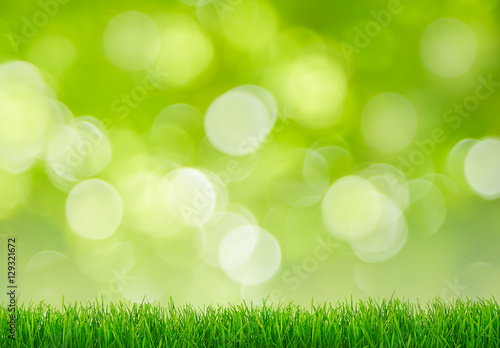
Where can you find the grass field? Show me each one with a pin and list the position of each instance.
(387, 323)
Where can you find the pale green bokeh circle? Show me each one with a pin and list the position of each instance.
(94, 209)
(351, 208)
(131, 40)
(387, 238)
(249, 255)
(389, 122)
(448, 47)
(482, 168)
(237, 122)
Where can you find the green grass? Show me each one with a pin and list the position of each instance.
(387, 323)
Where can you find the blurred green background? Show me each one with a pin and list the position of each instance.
(229, 150)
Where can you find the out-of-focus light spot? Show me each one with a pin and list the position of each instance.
(237, 247)
(455, 162)
(315, 172)
(222, 199)
(448, 47)
(77, 151)
(237, 122)
(351, 208)
(197, 195)
(131, 40)
(149, 203)
(186, 51)
(318, 89)
(22, 135)
(251, 34)
(26, 115)
(176, 132)
(53, 54)
(215, 230)
(482, 168)
(265, 97)
(387, 238)
(62, 158)
(94, 209)
(389, 122)
(428, 208)
(95, 146)
(19, 73)
(249, 255)
(389, 181)
(104, 260)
